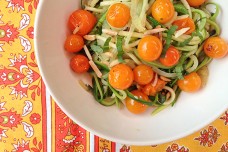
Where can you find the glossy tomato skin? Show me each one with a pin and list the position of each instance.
(143, 74)
(162, 10)
(83, 19)
(171, 58)
(74, 43)
(185, 23)
(79, 63)
(150, 48)
(215, 47)
(118, 15)
(195, 3)
(190, 83)
(134, 106)
(121, 76)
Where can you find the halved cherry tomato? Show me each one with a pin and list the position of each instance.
(121, 76)
(215, 47)
(150, 48)
(118, 15)
(153, 90)
(162, 10)
(190, 83)
(74, 43)
(195, 3)
(134, 106)
(79, 63)
(171, 58)
(184, 23)
(82, 19)
(143, 74)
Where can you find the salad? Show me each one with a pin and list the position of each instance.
(144, 53)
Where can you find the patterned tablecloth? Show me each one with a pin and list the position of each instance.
(31, 121)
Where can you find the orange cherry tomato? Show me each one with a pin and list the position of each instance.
(184, 23)
(134, 106)
(121, 76)
(150, 48)
(74, 43)
(82, 19)
(195, 3)
(215, 47)
(79, 63)
(118, 15)
(143, 74)
(190, 83)
(171, 58)
(153, 90)
(162, 10)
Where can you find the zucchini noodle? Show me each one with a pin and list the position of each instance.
(95, 10)
(185, 3)
(163, 73)
(108, 46)
(187, 48)
(195, 64)
(133, 57)
(172, 97)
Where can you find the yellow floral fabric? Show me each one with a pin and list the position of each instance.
(31, 121)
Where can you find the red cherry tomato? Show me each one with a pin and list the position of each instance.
(143, 74)
(118, 15)
(134, 106)
(121, 76)
(190, 83)
(74, 43)
(79, 64)
(82, 19)
(215, 47)
(171, 58)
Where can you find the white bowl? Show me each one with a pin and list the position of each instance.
(191, 112)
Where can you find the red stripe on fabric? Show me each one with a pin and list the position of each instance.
(96, 144)
(113, 147)
(44, 115)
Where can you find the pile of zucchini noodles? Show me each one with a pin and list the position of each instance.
(108, 47)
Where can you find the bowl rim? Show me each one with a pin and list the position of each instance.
(91, 130)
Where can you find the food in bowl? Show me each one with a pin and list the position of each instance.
(144, 53)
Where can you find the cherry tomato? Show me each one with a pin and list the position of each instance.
(184, 23)
(134, 106)
(162, 10)
(171, 58)
(74, 43)
(79, 63)
(190, 83)
(121, 76)
(195, 3)
(153, 90)
(215, 47)
(150, 48)
(143, 74)
(118, 15)
(82, 19)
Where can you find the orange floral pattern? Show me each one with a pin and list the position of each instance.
(31, 121)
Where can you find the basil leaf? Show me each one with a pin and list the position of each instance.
(152, 21)
(96, 48)
(106, 44)
(168, 39)
(180, 8)
(119, 46)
